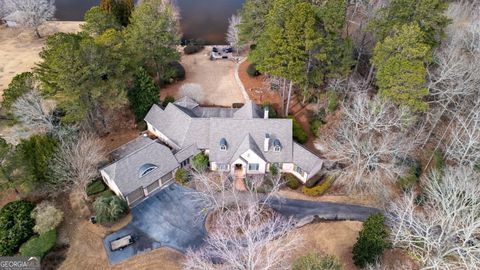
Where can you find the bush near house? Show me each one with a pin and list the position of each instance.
(168, 99)
(109, 208)
(200, 162)
(39, 246)
(95, 187)
(252, 70)
(177, 69)
(318, 189)
(16, 226)
(315, 261)
(291, 181)
(315, 125)
(299, 135)
(181, 176)
(371, 242)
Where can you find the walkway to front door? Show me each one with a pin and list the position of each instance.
(239, 178)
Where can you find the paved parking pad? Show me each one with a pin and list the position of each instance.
(170, 218)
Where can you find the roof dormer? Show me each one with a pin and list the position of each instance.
(223, 144)
(277, 146)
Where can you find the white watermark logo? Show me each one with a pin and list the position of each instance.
(19, 263)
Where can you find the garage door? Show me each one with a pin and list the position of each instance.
(135, 196)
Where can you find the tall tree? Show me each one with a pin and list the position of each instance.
(31, 13)
(152, 36)
(120, 9)
(233, 31)
(253, 14)
(428, 14)
(401, 61)
(98, 21)
(143, 95)
(84, 74)
(21, 84)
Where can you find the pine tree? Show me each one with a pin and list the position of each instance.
(143, 95)
(120, 9)
(401, 62)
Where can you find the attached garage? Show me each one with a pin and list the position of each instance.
(135, 196)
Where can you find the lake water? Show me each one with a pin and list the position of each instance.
(201, 19)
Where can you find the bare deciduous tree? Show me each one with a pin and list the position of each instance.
(371, 144)
(32, 13)
(245, 233)
(233, 32)
(74, 165)
(445, 232)
(32, 110)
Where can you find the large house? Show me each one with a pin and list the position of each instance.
(241, 142)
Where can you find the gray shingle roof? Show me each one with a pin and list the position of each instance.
(306, 160)
(187, 102)
(130, 147)
(186, 152)
(247, 144)
(126, 171)
(172, 122)
(249, 110)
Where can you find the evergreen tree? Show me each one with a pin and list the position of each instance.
(84, 74)
(120, 9)
(21, 84)
(371, 241)
(98, 21)
(254, 14)
(152, 37)
(143, 95)
(428, 14)
(401, 62)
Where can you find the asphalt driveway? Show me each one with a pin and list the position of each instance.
(168, 218)
(300, 209)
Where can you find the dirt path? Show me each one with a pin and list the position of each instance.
(217, 79)
(19, 49)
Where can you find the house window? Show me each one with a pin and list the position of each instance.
(145, 169)
(223, 147)
(298, 169)
(222, 167)
(277, 148)
(253, 166)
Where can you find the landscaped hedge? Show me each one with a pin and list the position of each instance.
(192, 48)
(178, 70)
(318, 189)
(95, 187)
(16, 226)
(168, 99)
(200, 162)
(291, 181)
(109, 208)
(252, 70)
(39, 246)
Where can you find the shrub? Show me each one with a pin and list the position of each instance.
(16, 226)
(332, 101)
(200, 162)
(274, 170)
(314, 261)
(318, 189)
(315, 125)
(47, 217)
(192, 48)
(291, 181)
(181, 176)
(95, 187)
(168, 99)
(371, 241)
(143, 94)
(39, 246)
(272, 113)
(20, 84)
(411, 179)
(252, 70)
(299, 134)
(109, 208)
(178, 71)
(314, 180)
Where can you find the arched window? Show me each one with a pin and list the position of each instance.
(277, 146)
(223, 144)
(145, 169)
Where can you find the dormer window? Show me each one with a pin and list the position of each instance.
(223, 144)
(146, 169)
(277, 147)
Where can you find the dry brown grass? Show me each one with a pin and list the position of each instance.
(357, 199)
(19, 49)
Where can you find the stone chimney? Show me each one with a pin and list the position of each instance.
(266, 142)
(265, 112)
